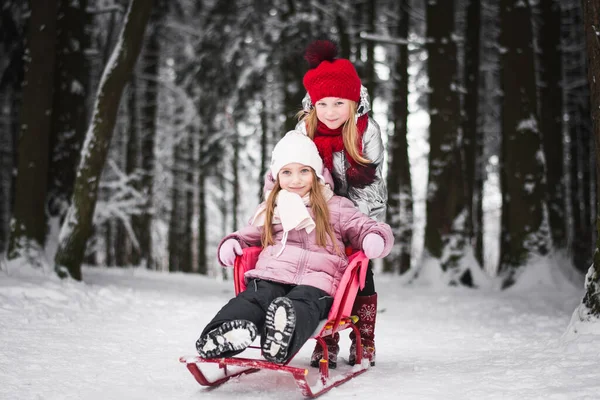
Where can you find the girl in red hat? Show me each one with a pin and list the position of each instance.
(335, 116)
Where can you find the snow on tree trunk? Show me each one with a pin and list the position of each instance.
(28, 224)
(400, 199)
(445, 230)
(77, 227)
(524, 226)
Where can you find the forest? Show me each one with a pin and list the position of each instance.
(138, 132)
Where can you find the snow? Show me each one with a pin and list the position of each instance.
(119, 334)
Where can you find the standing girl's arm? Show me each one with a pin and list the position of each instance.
(372, 198)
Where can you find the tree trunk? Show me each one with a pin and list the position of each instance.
(109, 242)
(11, 70)
(579, 131)
(78, 224)
(202, 258)
(551, 110)
(294, 39)
(524, 226)
(179, 226)
(151, 62)
(264, 135)
(400, 199)
(235, 201)
(6, 163)
(344, 43)
(368, 71)
(591, 12)
(28, 226)
(175, 233)
(127, 246)
(189, 205)
(472, 135)
(445, 231)
(69, 116)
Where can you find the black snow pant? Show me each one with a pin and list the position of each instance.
(369, 288)
(310, 304)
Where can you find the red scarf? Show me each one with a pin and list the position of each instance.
(330, 141)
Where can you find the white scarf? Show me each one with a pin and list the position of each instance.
(291, 212)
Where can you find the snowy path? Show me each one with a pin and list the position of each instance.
(119, 336)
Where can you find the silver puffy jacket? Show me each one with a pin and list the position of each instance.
(371, 199)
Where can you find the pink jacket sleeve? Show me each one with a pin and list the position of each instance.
(354, 226)
(247, 237)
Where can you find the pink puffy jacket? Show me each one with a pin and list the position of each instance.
(302, 261)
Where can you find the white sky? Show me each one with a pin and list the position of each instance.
(119, 336)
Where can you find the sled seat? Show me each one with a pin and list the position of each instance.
(339, 319)
(353, 279)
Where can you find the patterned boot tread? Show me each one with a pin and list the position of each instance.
(279, 329)
(230, 336)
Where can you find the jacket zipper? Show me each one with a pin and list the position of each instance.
(302, 262)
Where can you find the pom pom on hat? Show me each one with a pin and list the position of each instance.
(296, 147)
(318, 51)
(328, 76)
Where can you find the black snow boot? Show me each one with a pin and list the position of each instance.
(228, 339)
(279, 329)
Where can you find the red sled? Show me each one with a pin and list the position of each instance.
(339, 319)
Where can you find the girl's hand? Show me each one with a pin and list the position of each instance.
(373, 245)
(229, 250)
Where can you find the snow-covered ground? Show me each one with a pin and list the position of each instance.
(119, 336)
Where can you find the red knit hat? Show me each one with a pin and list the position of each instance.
(328, 76)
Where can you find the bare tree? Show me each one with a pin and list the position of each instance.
(77, 227)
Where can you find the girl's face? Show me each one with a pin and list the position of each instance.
(296, 178)
(333, 111)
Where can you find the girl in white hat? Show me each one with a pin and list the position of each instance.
(302, 228)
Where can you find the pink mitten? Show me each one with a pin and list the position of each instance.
(373, 245)
(229, 249)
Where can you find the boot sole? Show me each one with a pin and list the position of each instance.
(279, 328)
(233, 335)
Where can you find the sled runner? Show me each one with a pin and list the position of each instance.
(339, 319)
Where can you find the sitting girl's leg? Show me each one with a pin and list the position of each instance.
(236, 325)
(291, 321)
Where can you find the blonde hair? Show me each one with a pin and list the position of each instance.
(323, 228)
(349, 131)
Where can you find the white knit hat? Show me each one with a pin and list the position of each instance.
(296, 147)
